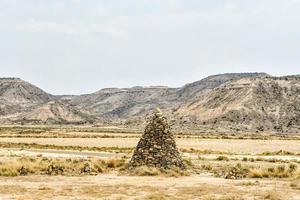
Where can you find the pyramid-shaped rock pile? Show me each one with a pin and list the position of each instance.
(157, 147)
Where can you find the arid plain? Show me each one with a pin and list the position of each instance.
(53, 162)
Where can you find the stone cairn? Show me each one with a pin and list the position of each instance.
(157, 147)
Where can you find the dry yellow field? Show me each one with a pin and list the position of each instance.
(111, 186)
(210, 160)
(229, 145)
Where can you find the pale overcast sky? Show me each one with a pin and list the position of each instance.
(81, 46)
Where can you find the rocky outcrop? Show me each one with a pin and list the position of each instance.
(248, 104)
(157, 147)
(24, 103)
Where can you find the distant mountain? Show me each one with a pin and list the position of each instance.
(252, 103)
(128, 103)
(226, 102)
(118, 104)
(22, 102)
(192, 90)
(16, 95)
(52, 112)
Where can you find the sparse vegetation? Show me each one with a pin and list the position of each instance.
(252, 168)
(222, 158)
(232, 172)
(58, 166)
(240, 171)
(206, 151)
(278, 153)
(151, 171)
(250, 183)
(57, 147)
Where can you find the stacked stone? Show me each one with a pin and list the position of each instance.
(157, 147)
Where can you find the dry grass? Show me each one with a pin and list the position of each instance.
(249, 183)
(280, 171)
(219, 156)
(12, 189)
(237, 171)
(158, 196)
(151, 171)
(216, 146)
(278, 153)
(204, 152)
(78, 166)
(222, 158)
(240, 171)
(295, 184)
(59, 166)
(272, 195)
(58, 147)
(222, 197)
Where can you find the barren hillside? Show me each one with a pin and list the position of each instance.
(17, 95)
(136, 102)
(246, 101)
(24, 103)
(256, 103)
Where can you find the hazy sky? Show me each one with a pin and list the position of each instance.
(81, 46)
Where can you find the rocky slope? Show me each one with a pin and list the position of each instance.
(246, 101)
(195, 89)
(120, 104)
(134, 103)
(255, 103)
(24, 103)
(17, 95)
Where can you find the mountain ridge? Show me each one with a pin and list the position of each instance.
(191, 105)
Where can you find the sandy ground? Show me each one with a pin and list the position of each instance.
(7, 152)
(228, 145)
(57, 153)
(112, 186)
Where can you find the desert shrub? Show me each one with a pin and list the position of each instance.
(145, 171)
(58, 166)
(222, 158)
(152, 171)
(250, 183)
(205, 151)
(174, 172)
(259, 159)
(188, 162)
(238, 171)
(297, 174)
(273, 160)
(115, 163)
(158, 196)
(280, 152)
(222, 197)
(292, 167)
(232, 172)
(245, 159)
(8, 170)
(257, 173)
(200, 158)
(280, 171)
(207, 167)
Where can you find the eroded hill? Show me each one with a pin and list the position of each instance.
(225, 102)
(24, 103)
(256, 103)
